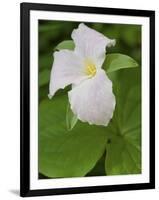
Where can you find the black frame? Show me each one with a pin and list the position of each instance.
(25, 9)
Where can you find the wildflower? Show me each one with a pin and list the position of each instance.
(91, 97)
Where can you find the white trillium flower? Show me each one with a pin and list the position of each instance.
(91, 97)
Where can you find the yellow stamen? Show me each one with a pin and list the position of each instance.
(90, 68)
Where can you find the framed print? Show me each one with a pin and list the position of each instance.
(87, 99)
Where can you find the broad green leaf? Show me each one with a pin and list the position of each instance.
(71, 118)
(123, 151)
(66, 44)
(44, 77)
(116, 61)
(64, 153)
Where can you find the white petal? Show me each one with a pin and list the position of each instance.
(93, 100)
(91, 44)
(67, 69)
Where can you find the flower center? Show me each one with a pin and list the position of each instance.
(90, 68)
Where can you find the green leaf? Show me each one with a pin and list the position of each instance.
(44, 77)
(116, 61)
(123, 149)
(71, 119)
(66, 44)
(64, 153)
(77, 152)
